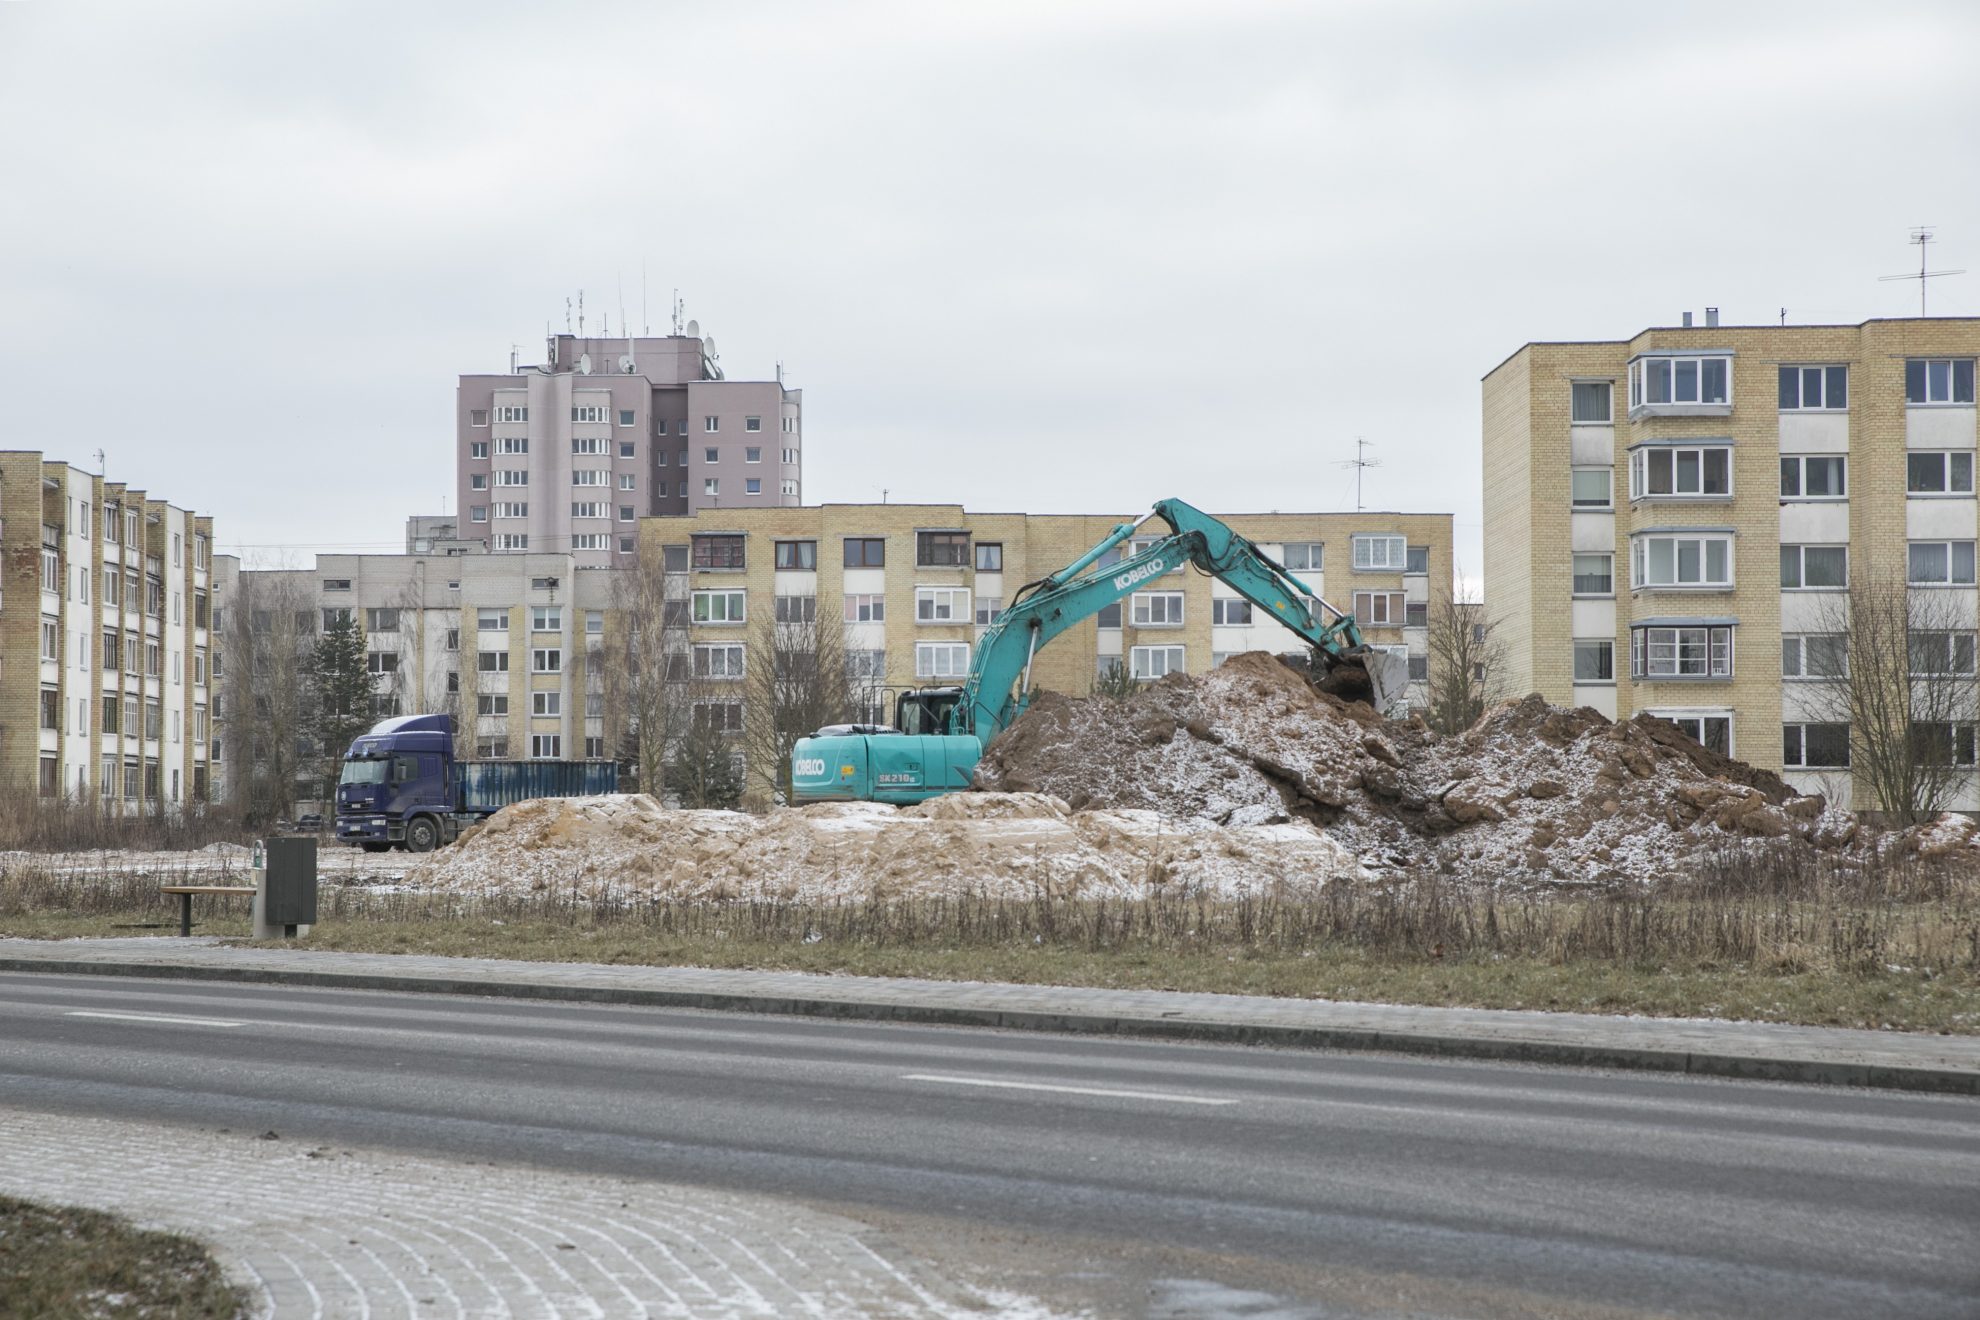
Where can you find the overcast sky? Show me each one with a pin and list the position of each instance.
(1052, 257)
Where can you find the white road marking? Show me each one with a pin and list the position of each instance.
(1169, 1096)
(154, 1017)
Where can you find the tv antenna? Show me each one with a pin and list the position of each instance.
(99, 462)
(1360, 463)
(1922, 237)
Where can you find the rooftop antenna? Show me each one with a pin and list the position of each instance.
(580, 313)
(1360, 463)
(1783, 316)
(567, 315)
(678, 309)
(99, 462)
(1922, 236)
(645, 324)
(515, 355)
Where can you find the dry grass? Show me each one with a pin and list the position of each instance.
(31, 822)
(1890, 944)
(57, 1263)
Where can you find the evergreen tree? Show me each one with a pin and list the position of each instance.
(339, 688)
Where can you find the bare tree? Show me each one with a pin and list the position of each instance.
(261, 712)
(1466, 661)
(643, 661)
(1893, 689)
(796, 681)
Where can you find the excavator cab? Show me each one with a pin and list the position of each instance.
(926, 710)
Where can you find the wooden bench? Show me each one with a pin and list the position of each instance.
(186, 892)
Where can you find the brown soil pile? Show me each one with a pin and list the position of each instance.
(1533, 791)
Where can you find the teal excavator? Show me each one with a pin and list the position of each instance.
(939, 733)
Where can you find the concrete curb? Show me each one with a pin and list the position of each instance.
(1815, 1071)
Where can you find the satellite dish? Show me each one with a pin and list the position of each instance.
(627, 365)
(584, 364)
(694, 329)
(708, 345)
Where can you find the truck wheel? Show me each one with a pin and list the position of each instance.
(376, 847)
(422, 835)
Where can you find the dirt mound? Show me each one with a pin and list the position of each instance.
(1003, 845)
(1532, 790)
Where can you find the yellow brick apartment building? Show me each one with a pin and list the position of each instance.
(1671, 520)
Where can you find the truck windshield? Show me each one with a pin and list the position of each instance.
(366, 770)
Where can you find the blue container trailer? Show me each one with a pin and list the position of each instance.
(401, 786)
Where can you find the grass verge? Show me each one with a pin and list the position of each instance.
(58, 1262)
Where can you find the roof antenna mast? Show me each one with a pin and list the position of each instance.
(1360, 463)
(1922, 237)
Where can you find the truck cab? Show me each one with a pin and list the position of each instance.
(397, 785)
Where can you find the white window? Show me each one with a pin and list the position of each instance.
(1302, 556)
(724, 661)
(1591, 402)
(511, 412)
(1156, 609)
(988, 610)
(546, 746)
(1593, 488)
(1815, 655)
(752, 423)
(546, 618)
(477, 417)
(1228, 613)
(941, 659)
(718, 607)
(1680, 472)
(492, 662)
(866, 609)
(491, 621)
(590, 477)
(1939, 473)
(588, 412)
(491, 703)
(866, 664)
(1813, 389)
(591, 541)
(1714, 731)
(1681, 560)
(711, 424)
(1814, 567)
(795, 609)
(1378, 609)
(478, 449)
(546, 660)
(1595, 660)
(1940, 563)
(791, 456)
(511, 509)
(1941, 653)
(752, 485)
(51, 572)
(711, 455)
(1942, 743)
(478, 513)
(1701, 651)
(515, 444)
(51, 639)
(1814, 477)
(1594, 575)
(587, 445)
(628, 513)
(941, 604)
(1815, 746)
(790, 488)
(590, 509)
(711, 485)
(628, 481)
(752, 454)
(512, 477)
(1938, 380)
(478, 481)
(546, 703)
(1668, 380)
(512, 540)
(627, 418)
(1152, 662)
(1379, 554)
(718, 716)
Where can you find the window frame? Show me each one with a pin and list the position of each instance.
(1361, 541)
(733, 556)
(1825, 374)
(734, 657)
(1640, 560)
(1955, 378)
(799, 552)
(1609, 651)
(1608, 501)
(1608, 389)
(924, 657)
(867, 544)
(1642, 637)
(1575, 592)
(1640, 380)
(1946, 491)
(1700, 717)
(1799, 550)
(734, 611)
(1222, 607)
(872, 603)
(1797, 646)
(992, 551)
(954, 545)
(1640, 462)
(1911, 579)
(1395, 608)
(927, 599)
(1142, 609)
(1175, 660)
(1794, 745)
(1798, 462)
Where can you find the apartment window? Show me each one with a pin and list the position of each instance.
(491, 621)
(546, 703)
(752, 454)
(1815, 746)
(718, 717)
(724, 661)
(989, 556)
(477, 417)
(1693, 560)
(51, 709)
(51, 639)
(478, 513)
(1377, 554)
(1942, 743)
(546, 618)
(515, 444)
(866, 552)
(1814, 477)
(1680, 472)
(941, 659)
(512, 477)
(1713, 732)
(660, 490)
(546, 660)
(590, 509)
(381, 662)
(795, 609)
(627, 513)
(789, 488)
(718, 552)
(1416, 560)
(1679, 380)
(381, 620)
(718, 607)
(587, 445)
(1935, 653)
(588, 412)
(626, 417)
(110, 711)
(1814, 567)
(511, 509)
(791, 456)
(1147, 663)
(1938, 380)
(1109, 616)
(1156, 609)
(491, 748)
(491, 703)
(1813, 389)
(1704, 651)
(590, 477)
(797, 555)
(336, 616)
(627, 449)
(625, 545)
(627, 481)
(711, 486)
(511, 412)
(594, 747)
(478, 481)
(1939, 473)
(1305, 556)
(545, 746)
(752, 423)
(711, 424)
(1815, 655)
(1419, 668)
(752, 485)
(1594, 575)
(1592, 488)
(512, 540)
(1595, 661)
(988, 610)
(1228, 613)
(478, 449)
(1591, 401)
(941, 549)
(866, 665)
(492, 662)
(1378, 609)
(681, 460)
(1940, 563)
(1416, 614)
(866, 609)
(151, 654)
(941, 604)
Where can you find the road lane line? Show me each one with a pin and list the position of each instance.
(154, 1017)
(1168, 1096)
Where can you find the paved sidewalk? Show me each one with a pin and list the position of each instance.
(1901, 1060)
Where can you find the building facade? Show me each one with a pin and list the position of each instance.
(1673, 521)
(104, 639)
(568, 456)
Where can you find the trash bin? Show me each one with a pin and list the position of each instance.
(285, 891)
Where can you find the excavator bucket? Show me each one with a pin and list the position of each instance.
(1371, 677)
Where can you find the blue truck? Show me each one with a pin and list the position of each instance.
(402, 788)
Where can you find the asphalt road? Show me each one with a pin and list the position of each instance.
(1098, 1169)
